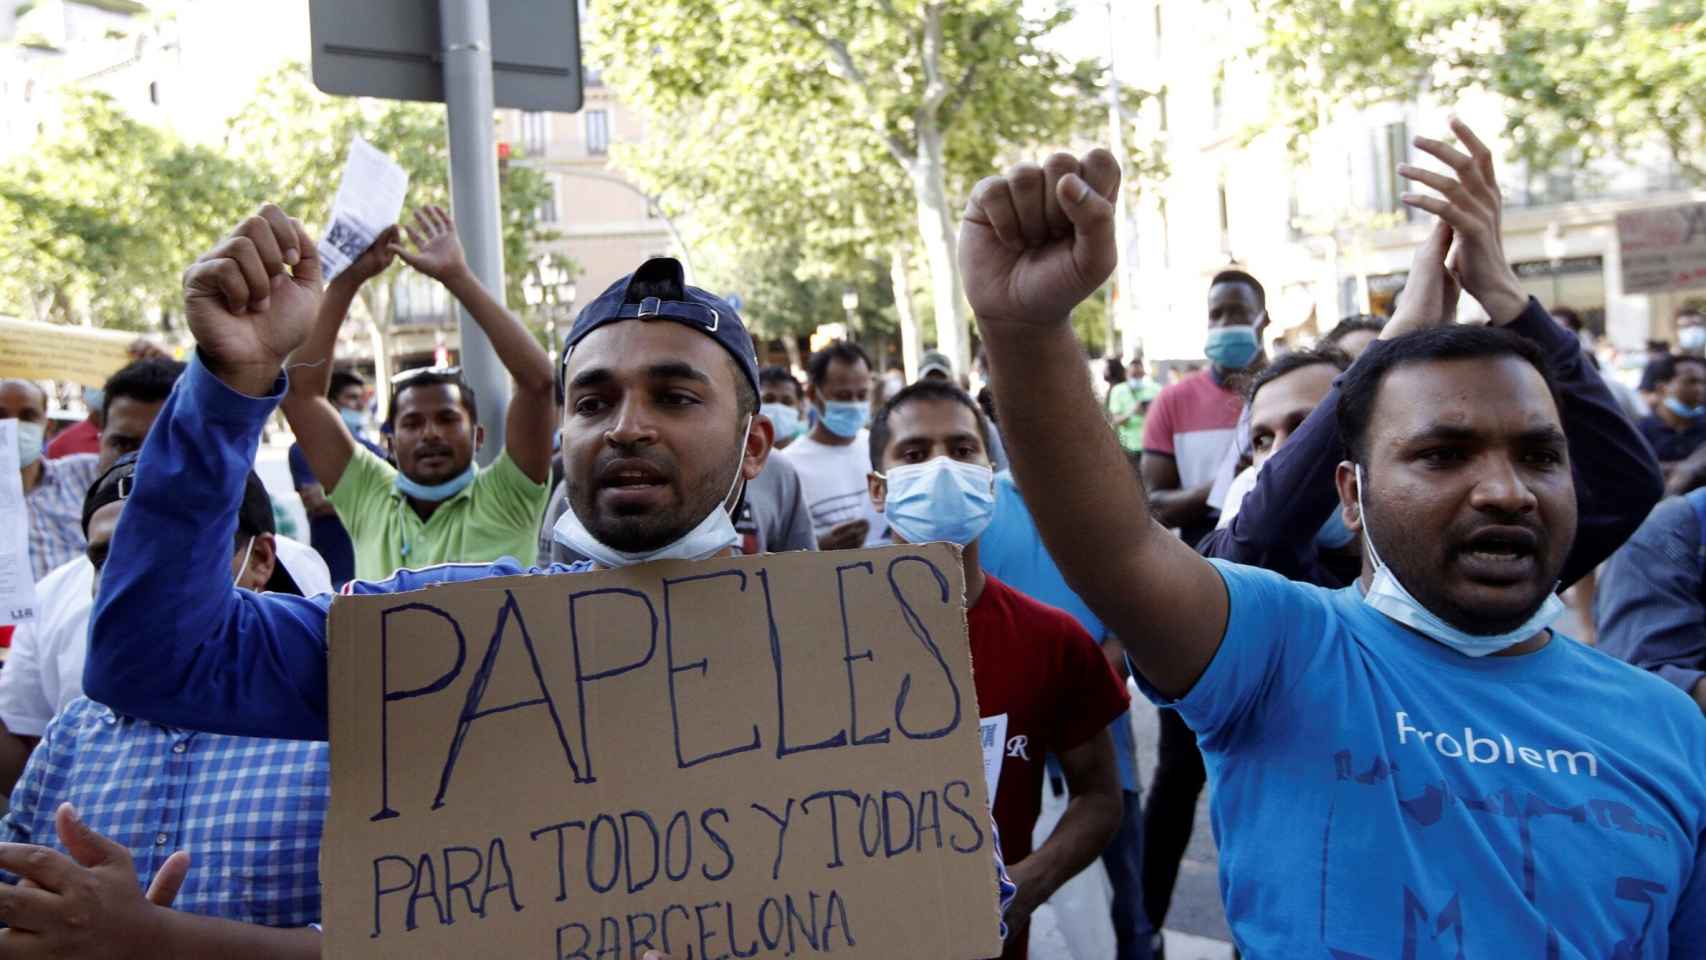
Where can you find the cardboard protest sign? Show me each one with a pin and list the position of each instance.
(1663, 248)
(754, 757)
(51, 351)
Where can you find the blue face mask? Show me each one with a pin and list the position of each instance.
(942, 499)
(1232, 348)
(437, 492)
(784, 418)
(354, 419)
(1388, 596)
(1685, 412)
(844, 419)
(94, 398)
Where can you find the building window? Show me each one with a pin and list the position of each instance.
(547, 212)
(1391, 147)
(154, 92)
(1159, 50)
(597, 131)
(1225, 220)
(535, 131)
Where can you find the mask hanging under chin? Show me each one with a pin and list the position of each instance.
(711, 536)
(1388, 596)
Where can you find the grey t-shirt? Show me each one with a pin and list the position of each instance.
(772, 519)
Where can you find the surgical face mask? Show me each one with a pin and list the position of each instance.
(437, 492)
(355, 420)
(243, 567)
(29, 442)
(1684, 411)
(844, 419)
(941, 499)
(1692, 338)
(785, 418)
(1232, 348)
(1388, 596)
(714, 534)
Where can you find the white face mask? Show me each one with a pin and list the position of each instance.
(1388, 596)
(712, 536)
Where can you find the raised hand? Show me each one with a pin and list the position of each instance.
(252, 299)
(373, 260)
(1429, 298)
(1471, 204)
(1036, 242)
(87, 904)
(438, 252)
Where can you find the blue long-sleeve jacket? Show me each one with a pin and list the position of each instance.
(1652, 612)
(170, 639)
(1616, 475)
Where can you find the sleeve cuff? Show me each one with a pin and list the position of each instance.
(219, 402)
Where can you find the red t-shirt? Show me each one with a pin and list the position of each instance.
(1035, 664)
(80, 437)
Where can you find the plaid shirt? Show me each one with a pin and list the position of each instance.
(56, 511)
(248, 811)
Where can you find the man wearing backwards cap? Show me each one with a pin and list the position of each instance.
(117, 797)
(659, 434)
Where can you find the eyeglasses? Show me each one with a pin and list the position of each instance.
(409, 376)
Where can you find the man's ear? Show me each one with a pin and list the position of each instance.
(1345, 478)
(760, 441)
(479, 438)
(262, 560)
(878, 489)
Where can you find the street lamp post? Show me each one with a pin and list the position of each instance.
(1553, 241)
(549, 286)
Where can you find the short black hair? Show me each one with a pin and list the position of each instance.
(777, 374)
(1239, 276)
(1677, 361)
(1359, 387)
(145, 381)
(342, 380)
(1356, 323)
(920, 391)
(848, 352)
(437, 377)
(1293, 361)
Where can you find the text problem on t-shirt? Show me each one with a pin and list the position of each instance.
(762, 756)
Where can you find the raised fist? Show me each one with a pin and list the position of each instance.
(252, 299)
(1036, 242)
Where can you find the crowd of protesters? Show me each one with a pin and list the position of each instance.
(1338, 569)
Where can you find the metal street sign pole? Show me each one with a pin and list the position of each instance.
(466, 30)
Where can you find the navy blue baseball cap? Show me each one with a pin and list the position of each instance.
(689, 306)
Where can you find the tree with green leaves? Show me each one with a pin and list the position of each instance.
(855, 120)
(95, 220)
(1580, 80)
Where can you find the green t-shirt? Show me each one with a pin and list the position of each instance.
(1127, 397)
(495, 516)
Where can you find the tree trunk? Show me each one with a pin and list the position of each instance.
(936, 226)
(900, 276)
(791, 346)
(375, 297)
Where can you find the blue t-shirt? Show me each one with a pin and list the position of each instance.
(1378, 795)
(1013, 552)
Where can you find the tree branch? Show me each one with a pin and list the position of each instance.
(962, 86)
(930, 48)
(851, 73)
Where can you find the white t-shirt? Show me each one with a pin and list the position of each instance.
(832, 479)
(44, 670)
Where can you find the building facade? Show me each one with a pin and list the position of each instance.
(1327, 234)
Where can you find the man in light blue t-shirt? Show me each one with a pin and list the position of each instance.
(1416, 765)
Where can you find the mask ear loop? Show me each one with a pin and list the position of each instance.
(247, 551)
(740, 466)
(1362, 516)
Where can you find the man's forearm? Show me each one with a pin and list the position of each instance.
(310, 367)
(1090, 821)
(520, 354)
(192, 937)
(1179, 508)
(1037, 375)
